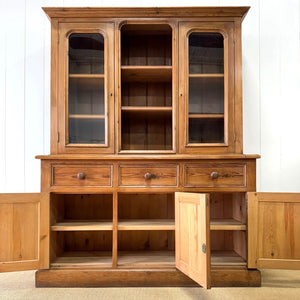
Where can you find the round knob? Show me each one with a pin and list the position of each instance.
(214, 175)
(148, 176)
(81, 176)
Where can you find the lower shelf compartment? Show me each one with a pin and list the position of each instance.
(137, 259)
(81, 259)
(226, 258)
(146, 259)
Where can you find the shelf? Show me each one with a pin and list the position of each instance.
(78, 116)
(154, 110)
(82, 226)
(226, 224)
(80, 259)
(226, 258)
(145, 259)
(206, 75)
(144, 224)
(86, 76)
(206, 116)
(146, 73)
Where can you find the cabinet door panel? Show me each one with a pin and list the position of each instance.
(206, 87)
(85, 91)
(24, 232)
(274, 230)
(192, 248)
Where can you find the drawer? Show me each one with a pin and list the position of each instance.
(81, 175)
(215, 175)
(148, 175)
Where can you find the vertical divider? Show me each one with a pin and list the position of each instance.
(115, 231)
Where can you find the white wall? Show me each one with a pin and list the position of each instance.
(271, 73)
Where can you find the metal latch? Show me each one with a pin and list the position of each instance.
(203, 248)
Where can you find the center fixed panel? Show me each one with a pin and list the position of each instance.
(146, 87)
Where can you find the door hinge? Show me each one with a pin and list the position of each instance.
(204, 248)
(57, 137)
(234, 137)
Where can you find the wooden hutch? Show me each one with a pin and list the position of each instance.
(146, 183)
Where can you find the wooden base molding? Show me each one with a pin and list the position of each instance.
(142, 278)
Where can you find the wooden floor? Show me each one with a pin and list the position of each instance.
(276, 284)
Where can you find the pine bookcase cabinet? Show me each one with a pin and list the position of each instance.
(147, 183)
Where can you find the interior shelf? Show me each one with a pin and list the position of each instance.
(146, 73)
(82, 226)
(144, 259)
(226, 258)
(206, 75)
(149, 110)
(146, 108)
(147, 224)
(80, 259)
(226, 224)
(206, 116)
(79, 116)
(86, 75)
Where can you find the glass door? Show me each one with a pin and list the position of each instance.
(86, 105)
(204, 101)
(86, 116)
(206, 88)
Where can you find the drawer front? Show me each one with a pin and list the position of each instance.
(81, 175)
(215, 175)
(148, 175)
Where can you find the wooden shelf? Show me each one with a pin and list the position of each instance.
(81, 259)
(86, 76)
(78, 116)
(156, 110)
(82, 226)
(144, 224)
(206, 116)
(226, 258)
(146, 73)
(206, 75)
(146, 108)
(226, 224)
(145, 259)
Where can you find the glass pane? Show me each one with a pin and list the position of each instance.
(206, 88)
(86, 53)
(206, 95)
(86, 96)
(86, 131)
(206, 130)
(206, 53)
(86, 89)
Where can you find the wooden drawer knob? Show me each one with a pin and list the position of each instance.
(214, 175)
(149, 176)
(81, 176)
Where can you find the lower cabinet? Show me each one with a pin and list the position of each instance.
(149, 239)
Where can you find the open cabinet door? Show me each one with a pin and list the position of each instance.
(192, 236)
(24, 232)
(274, 230)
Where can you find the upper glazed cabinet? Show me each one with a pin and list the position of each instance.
(85, 88)
(137, 86)
(209, 117)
